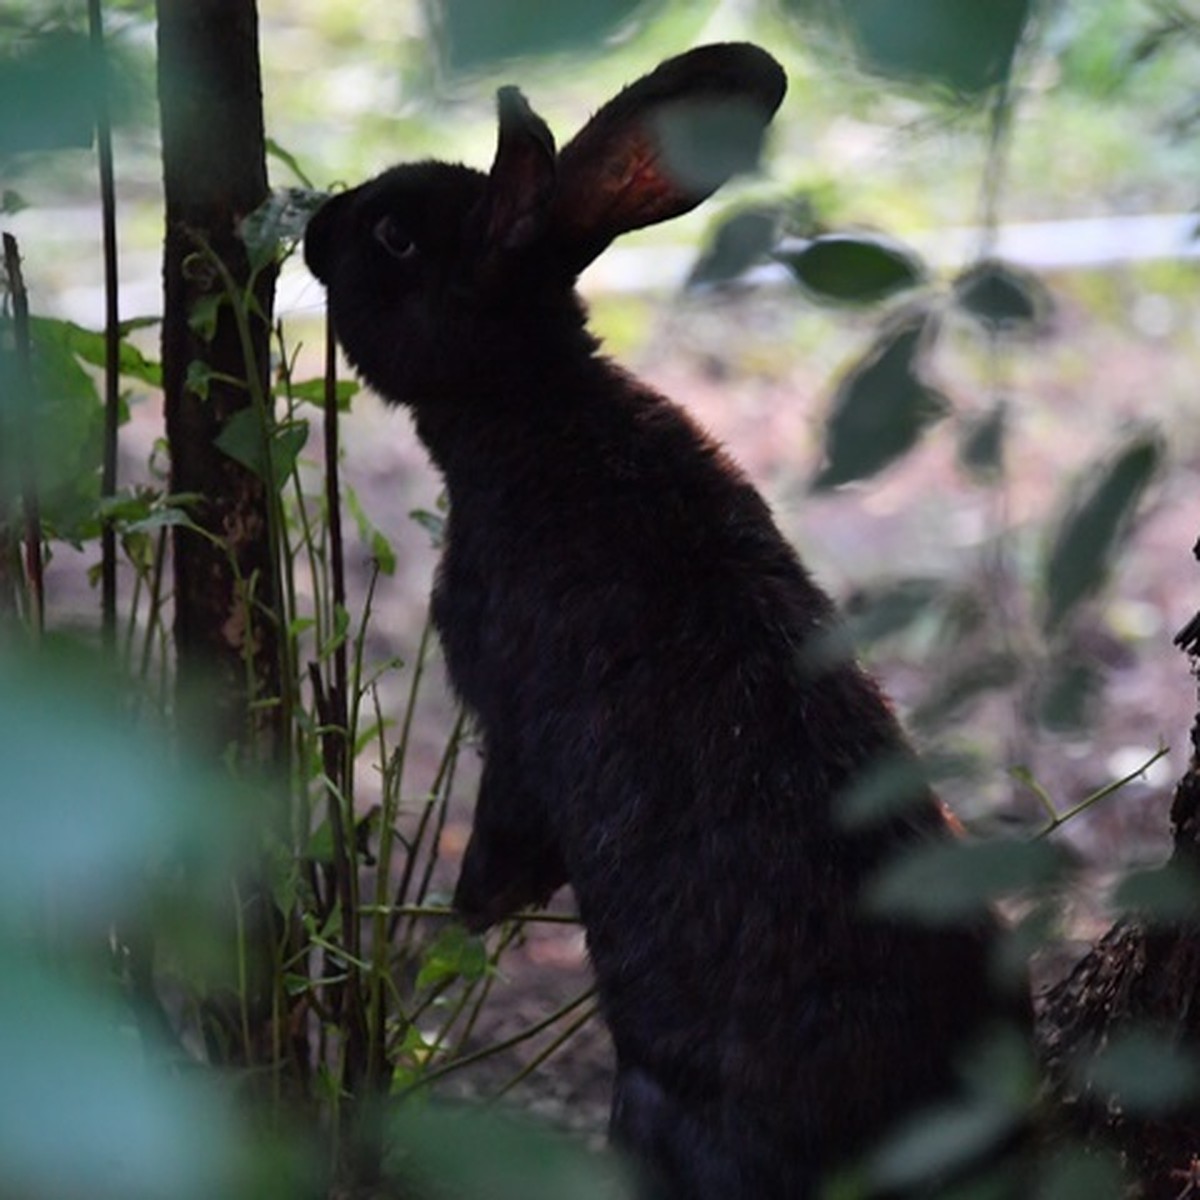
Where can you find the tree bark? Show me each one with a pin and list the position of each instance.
(1141, 975)
(214, 173)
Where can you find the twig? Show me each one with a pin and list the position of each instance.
(112, 323)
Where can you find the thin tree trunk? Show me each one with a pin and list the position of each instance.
(214, 172)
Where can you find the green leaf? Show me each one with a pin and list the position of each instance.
(198, 378)
(453, 954)
(312, 391)
(476, 34)
(945, 883)
(846, 268)
(12, 202)
(1003, 298)
(278, 223)
(506, 1160)
(1090, 535)
(47, 90)
(963, 48)
(1078, 1173)
(135, 1130)
(954, 693)
(739, 241)
(1146, 1073)
(242, 439)
(433, 523)
(1066, 697)
(981, 445)
(202, 319)
(882, 406)
(1166, 894)
(90, 345)
(939, 1141)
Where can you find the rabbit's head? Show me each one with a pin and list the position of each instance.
(442, 279)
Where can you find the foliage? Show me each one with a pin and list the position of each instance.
(162, 918)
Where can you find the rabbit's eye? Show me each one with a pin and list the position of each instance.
(392, 236)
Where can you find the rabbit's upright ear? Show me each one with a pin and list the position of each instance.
(516, 202)
(663, 145)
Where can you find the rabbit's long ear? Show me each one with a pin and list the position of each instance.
(663, 145)
(516, 202)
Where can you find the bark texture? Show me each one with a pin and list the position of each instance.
(214, 172)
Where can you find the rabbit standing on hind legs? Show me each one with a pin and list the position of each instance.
(629, 628)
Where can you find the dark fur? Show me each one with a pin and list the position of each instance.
(620, 612)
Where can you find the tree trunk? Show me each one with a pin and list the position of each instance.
(214, 172)
(1141, 975)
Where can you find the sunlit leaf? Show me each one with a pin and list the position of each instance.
(1088, 538)
(944, 883)
(882, 406)
(739, 242)
(312, 391)
(1003, 298)
(474, 34)
(847, 268)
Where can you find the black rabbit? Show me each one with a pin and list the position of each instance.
(634, 637)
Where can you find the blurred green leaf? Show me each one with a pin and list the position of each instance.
(475, 34)
(1144, 1072)
(940, 1141)
(953, 693)
(981, 445)
(1166, 894)
(1067, 696)
(861, 268)
(706, 142)
(882, 406)
(12, 202)
(242, 439)
(465, 1155)
(1079, 1173)
(84, 1112)
(740, 241)
(965, 48)
(1089, 536)
(945, 883)
(47, 89)
(1003, 298)
(84, 826)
